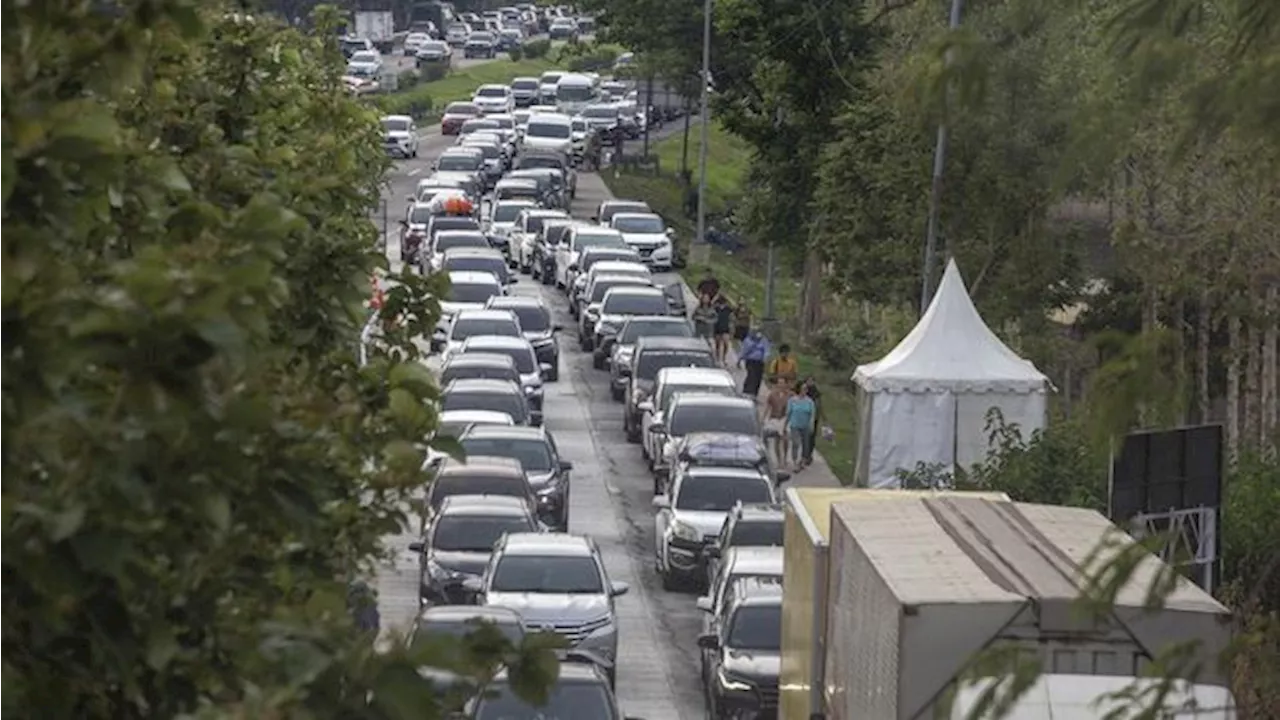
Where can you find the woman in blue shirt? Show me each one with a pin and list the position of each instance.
(801, 413)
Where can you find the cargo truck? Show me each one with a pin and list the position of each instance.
(378, 27)
(918, 587)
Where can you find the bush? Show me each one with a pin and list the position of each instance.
(536, 49)
(515, 53)
(407, 79)
(861, 335)
(594, 60)
(415, 103)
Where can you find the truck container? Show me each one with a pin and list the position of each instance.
(920, 588)
(806, 537)
(378, 27)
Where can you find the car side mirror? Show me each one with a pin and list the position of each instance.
(708, 642)
(661, 502)
(713, 551)
(703, 603)
(416, 547)
(565, 466)
(644, 406)
(619, 589)
(670, 232)
(781, 476)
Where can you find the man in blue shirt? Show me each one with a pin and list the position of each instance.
(755, 348)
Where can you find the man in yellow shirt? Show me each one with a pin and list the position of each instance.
(783, 366)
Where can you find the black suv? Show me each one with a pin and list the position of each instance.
(742, 654)
(536, 451)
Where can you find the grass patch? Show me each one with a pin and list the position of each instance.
(427, 100)
(727, 160)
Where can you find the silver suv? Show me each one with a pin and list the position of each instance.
(558, 584)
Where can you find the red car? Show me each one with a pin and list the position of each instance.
(455, 114)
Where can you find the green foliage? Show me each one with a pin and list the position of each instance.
(409, 78)
(194, 464)
(536, 49)
(516, 53)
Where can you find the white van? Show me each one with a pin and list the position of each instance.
(548, 133)
(574, 92)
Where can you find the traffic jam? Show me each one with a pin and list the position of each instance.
(498, 541)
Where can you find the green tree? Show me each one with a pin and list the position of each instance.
(194, 464)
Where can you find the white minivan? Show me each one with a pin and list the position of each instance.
(549, 133)
(574, 92)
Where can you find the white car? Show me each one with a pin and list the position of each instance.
(547, 87)
(548, 132)
(474, 323)
(670, 381)
(414, 41)
(494, 99)
(690, 517)
(690, 412)
(468, 291)
(649, 235)
(366, 63)
(524, 234)
(400, 136)
(434, 51)
(576, 240)
(502, 217)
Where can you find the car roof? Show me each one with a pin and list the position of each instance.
(631, 289)
(484, 505)
(724, 471)
(662, 319)
(484, 463)
(493, 85)
(589, 229)
(752, 559)
(521, 181)
(494, 341)
(483, 314)
(472, 251)
(475, 416)
(469, 151)
(619, 267)
(575, 673)
(514, 432)
(711, 399)
(633, 203)
(754, 591)
(671, 343)
(405, 118)
(483, 385)
(473, 277)
(688, 375)
(511, 301)
(478, 358)
(547, 213)
(520, 202)
(463, 613)
(629, 215)
(527, 543)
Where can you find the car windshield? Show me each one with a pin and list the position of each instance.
(522, 356)
(503, 123)
(524, 85)
(467, 327)
(550, 78)
(575, 93)
(475, 372)
(460, 108)
(519, 190)
(533, 162)
(512, 631)
(637, 329)
(497, 265)
(365, 56)
(579, 125)
(582, 241)
(547, 574)
(601, 112)
(690, 418)
(651, 361)
(420, 214)
(533, 454)
(756, 627)
(481, 37)
(471, 292)
(460, 163)
(754, 534)
(352, 46)
(395, 125)
(671, 390)
(434, 46)
(487, 151)
(609, 254)
(533, 318)
(474, 533)
(493, 92)
(451, 240)
(631, 304)
(476, 484)
(600, 288)
(565, 701)
(610, 210)
(548, 130)
(508, 212)
(534, 223)
(650, 224)
(719, 493)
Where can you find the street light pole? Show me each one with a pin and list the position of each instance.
(700, 243)
(935, 188)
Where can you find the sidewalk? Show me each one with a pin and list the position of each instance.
(818, 474)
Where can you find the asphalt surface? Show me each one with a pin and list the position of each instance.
(610, 497)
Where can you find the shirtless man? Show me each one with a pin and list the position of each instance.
(775, 418)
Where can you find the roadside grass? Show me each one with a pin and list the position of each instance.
(427, 100)
(727, 159)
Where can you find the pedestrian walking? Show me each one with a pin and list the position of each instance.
(741, 322)
(723, 326)
(775, 421)
(708, 285)
(704, 318)
(801, 412)
(811, 389)
(755, 348)
(362, 602)
(784, 366)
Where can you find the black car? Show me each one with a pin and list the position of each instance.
(482, 366)
(619, 348)
(535, 323)
(458, 621)
(459, 540)
(544, 256)
(536, 451)
(496, 395)
(651, 355)
(748, 525)
(741, 656)
(581, 690)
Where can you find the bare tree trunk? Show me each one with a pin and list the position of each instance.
(1178, 324)
(1204, 328)
(1269, 389)
(1252, 387)
(1233, 385)
(811, 300)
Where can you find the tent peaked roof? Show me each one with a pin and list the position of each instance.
(951, 349)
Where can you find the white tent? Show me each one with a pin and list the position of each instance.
(927, 400)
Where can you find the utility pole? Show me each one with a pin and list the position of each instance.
(935, 189)
(701, 252)
(648, 112)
